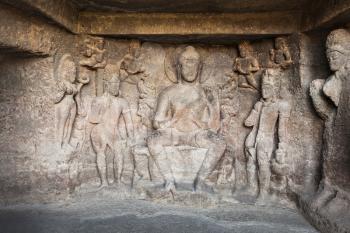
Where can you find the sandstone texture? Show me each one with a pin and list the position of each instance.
(190, 116)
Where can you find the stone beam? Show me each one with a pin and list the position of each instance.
(62, 12)
(187, 24)
(327, 13)
(21, 33)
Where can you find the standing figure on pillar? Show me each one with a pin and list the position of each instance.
(267, 113)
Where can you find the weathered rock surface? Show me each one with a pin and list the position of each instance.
(95, 214)
(197, 103)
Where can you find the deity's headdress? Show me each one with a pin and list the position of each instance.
(281, 40)
(113, 79)
(339, 40)
(269, 77)
(189, 53)
(246, 45)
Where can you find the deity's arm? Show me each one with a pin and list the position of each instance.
(272, 55)
(128, 120)
(100, 55)
(280, 169)
(160, 117)
(238, 67)
(123, 75)
(287, 59)
(100, 61)
(58, 97)
(254, 65)
(253, 117)
(287, 56)
(284, 114)
(77, 97)
(332, 88)
(323, 107)
(60, 93)
(214, 111)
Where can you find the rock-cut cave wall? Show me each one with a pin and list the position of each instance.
(259, 121)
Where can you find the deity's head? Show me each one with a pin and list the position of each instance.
(281, 158)
(135, 48)
(66, 69)
(280, 43)
(111, 86)
(189, 63)
(100, 42)
(268, 84)
(245, 49)
(338, 49)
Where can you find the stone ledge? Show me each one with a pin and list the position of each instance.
(102, 23)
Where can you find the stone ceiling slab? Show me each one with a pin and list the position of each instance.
(182, 24)
(191, 6)
(62, 12)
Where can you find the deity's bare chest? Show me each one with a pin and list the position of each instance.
(189, 98)
(245, 64)
(279, 56)
(113, 111)
(268, 118)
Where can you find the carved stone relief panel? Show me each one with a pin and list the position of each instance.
(174, 118)
(179, 118)
(256, 121)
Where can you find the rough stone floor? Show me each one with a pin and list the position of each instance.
(108, 215)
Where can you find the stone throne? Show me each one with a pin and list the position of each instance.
(185, 163)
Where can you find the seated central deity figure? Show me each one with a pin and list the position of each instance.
(187, 115)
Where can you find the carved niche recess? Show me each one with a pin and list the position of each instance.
(171, 117)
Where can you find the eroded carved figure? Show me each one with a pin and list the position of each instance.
(229, 108)
(146, 102)
(131, 64)
(246, 65)
(132, 71)
(65, 99)
(280, 55)
(280, 171)
(107, 112)
(260, 143)
(187, 115)
(331, 101)
(94, 53)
